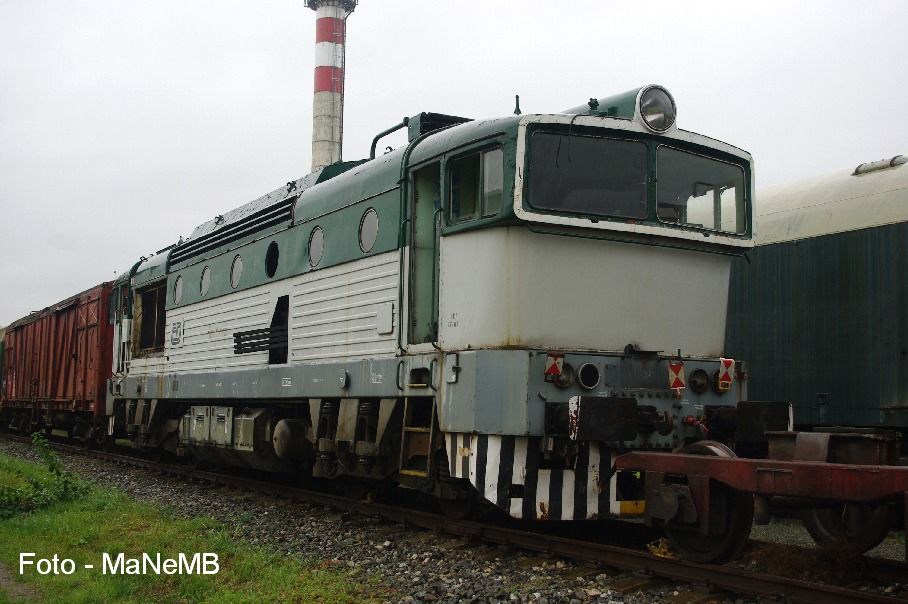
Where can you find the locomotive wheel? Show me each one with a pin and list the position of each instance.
(858, 526)
(355, 488)
(729, 527)
(465, 502)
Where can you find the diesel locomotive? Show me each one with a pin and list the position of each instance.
(491, 314)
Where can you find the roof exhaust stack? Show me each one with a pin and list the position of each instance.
(328, 103)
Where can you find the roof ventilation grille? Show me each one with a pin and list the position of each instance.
(271, 216)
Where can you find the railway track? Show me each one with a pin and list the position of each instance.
(713, 578)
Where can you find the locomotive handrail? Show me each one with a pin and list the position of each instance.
(435, 271)
(400, 365)
(401, 239)
(433, 366)
(403, 124)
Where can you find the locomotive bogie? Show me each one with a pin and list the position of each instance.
(240, 436)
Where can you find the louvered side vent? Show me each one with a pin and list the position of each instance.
(274, 215)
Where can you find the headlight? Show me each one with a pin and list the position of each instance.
(657, 108)
(588, 376)
(699, 381)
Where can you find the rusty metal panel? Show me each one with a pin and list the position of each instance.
(814, 480)
(835, 447)
(2, 359)
(60, 357)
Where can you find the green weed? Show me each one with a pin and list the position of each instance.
(25, 490)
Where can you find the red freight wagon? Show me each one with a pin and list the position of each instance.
(57, 363)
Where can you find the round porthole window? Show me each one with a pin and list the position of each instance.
(236, 271)
(316, 246)
(368, 230)
(178, 290)
(271, 259)
(205, 282)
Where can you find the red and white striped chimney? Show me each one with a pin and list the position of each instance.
(328, 103)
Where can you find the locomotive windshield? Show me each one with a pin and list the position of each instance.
(701, 192)
(595, 176)
(588, 175)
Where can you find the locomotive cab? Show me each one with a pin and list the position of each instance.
(585, 315)
(611, 252)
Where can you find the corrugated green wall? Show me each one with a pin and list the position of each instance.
(822, 322)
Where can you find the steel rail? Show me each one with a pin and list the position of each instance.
(735, 580)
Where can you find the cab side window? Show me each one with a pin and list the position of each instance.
(149, 318)
(492, 181)
(477, 183)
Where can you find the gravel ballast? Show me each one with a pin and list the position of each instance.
(417, 565)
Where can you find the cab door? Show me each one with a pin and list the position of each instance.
(425, 214)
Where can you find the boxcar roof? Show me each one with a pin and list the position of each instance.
(834, 203)
(63, 304)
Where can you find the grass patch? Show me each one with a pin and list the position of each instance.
(103, 520)
(10, 476)
(26, 487)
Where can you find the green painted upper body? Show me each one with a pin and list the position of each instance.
(335, 199)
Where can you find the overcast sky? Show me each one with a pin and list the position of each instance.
(123, 125)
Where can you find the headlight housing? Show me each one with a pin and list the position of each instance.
(657, 108)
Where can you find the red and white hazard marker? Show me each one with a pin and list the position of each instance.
(726, 374)
(676, 379)
(554, 365)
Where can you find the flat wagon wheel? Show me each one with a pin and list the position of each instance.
(731, 517)
(860, 527)
(25, 425)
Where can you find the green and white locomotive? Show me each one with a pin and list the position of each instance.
(491, 312)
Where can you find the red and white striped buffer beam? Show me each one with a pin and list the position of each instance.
(328, 102)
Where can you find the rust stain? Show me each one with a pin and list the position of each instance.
(573, 419)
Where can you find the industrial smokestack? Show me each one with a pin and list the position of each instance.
(328, 103)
